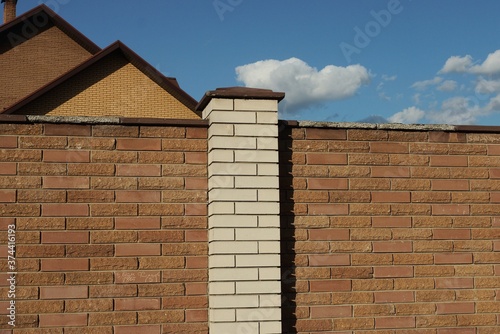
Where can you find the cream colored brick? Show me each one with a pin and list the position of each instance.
(220, 129)
(232, 117)
(268, 195)
(233, 247)
(256, 182)
(232, 274)
(233, 194)
(234, 301)
(222, 288)
(220, 168)
(218, 105)
(222, 315)
(220, 208)
(267, 143)
(269, 247)
(218, 181)
(235, 328)
(264, 105)
(270, 300)
(218, 155)
(219, 234)
(258, 234)
(232, 221)
(255, 156)
(269, 221)
(218, 142)
(257, 208)
(267, 169)
(256, 130)
(260, 260)
(270, 274)
(267, 118)
(260, 314)
(258, 287)
(221, 261)
(270, 327)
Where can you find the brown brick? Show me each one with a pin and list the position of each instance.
(395, 322)
(378, 147)
(115, 131)
(353, 323)
(369, 184)
(66, 156)
(40, 306)
(369, 209)
(8, 141)
(137, 249)
(413, 259)
(196, 158)
(62, 320)
(161, 209)
(450, 185)
(329, 234)
(91, 169)
(37, 279)
(128, 277)
(88, 305)
(8, 168)
(113, 291)
(164, 262)
(114, 183)
(392, 247)
(184, 145)
(113, 264)
(329, 260)
(454, 283)
(37, 168)
(90, 196)
(455, 308)
(89, 250)
(137, 329)
(64, 292)
(138, 144)
(41, 196)
(394, 297)
(65, 210)
(373, 159)
(42, 142)
(184, 196)
(137, 223)
(390, 197)
(65, 237)
(113, 236)
(20, 155)
(67, 130)
(118, 157)
(89, 223)
(330, 285)
(137, 304)
(316, 133)
(391, 222)
(450, 209)
(161, 183)
(32, 223)
(414, 284)
(138, 170)
(371, 259)
(137, 196)
(448, 161)
(326, 159)
(451, 234)
(65, 182)
(157, 290)
(113, 209)
(65, 264)
(393, 271)
(112, 318)
(7, 196)
(193, 289)
(469, 320)
(92, 143)
(317, 183)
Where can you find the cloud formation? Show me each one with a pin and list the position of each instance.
(410, 115)
(304, 85)
(457, 64)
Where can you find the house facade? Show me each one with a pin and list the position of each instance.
(217, 217)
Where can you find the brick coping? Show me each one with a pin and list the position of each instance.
(392, 126)
(101, 120)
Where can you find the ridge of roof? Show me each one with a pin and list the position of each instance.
(58, 21)
(168, 84)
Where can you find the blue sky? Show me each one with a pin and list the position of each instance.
(407, 61)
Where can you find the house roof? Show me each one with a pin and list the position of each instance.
(168, 84)
(37, 20)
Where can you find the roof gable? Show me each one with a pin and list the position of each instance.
(169, 85)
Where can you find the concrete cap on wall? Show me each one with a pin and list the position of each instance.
(239, 93)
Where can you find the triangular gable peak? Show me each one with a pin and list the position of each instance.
(36, 48)
(114, 82)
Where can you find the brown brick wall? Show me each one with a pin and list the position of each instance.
(390, 232)
(111, 227)
(112, 87)
(39, 60)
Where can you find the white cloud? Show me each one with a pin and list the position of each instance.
(385, 77)
(457, 110)
(457, 64)
(422, 85)
(448, 86)
(304, 85)
(410, 115)
(490, 66)
(484, 86)
(494, 104)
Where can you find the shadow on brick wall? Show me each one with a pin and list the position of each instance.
(288, 256)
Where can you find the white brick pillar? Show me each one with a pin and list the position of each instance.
(244, 225)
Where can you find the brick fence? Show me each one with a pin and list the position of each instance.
(384, 229)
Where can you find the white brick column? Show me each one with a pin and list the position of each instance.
(244, 225)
